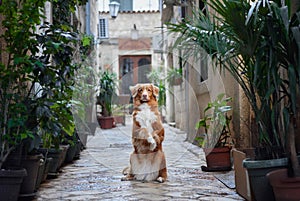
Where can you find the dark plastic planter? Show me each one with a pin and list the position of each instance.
(10, 183)
(261, 190)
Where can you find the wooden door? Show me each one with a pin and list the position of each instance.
(133, 69)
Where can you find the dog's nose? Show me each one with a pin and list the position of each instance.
(144, 96)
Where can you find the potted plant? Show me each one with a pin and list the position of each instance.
(174, 76)
(107, 88)
(216, 141)
(17, 102)
(241, 39)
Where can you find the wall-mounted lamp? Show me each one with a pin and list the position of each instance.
(114, 9)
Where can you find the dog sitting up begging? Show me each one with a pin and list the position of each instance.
(147, 161)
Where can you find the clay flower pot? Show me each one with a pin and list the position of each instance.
(285, 188)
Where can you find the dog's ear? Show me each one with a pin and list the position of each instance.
(134, 90)
(155, 91)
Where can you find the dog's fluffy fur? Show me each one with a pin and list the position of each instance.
(147, 162)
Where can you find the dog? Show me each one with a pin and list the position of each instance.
(147, 161)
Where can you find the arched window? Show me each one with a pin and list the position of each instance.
(144, 66)
(126, 75)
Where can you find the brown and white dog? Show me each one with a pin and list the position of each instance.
(147, 162)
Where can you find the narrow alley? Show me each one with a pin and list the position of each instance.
(97, 174)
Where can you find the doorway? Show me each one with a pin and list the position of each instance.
(133, 69)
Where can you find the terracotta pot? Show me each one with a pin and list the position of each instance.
(106, 122)
(119, 120)
(285, 188)
(217, 159)
(10, 183)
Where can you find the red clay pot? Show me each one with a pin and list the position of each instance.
(106, 122)
(218, 158)
(285, 188)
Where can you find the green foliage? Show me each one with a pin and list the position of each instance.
(36, 75)
(17, 106)
(216, 123)
(174, 74)
(107, 84)
(259, 45)
(157, 77)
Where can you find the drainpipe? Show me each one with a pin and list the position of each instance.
(88, 18)
(187, 100)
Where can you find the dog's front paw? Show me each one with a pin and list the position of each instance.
(152, 143)
(152, 146)
(127, 178)
(160, 180)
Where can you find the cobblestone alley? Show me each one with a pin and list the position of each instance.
(97, 174)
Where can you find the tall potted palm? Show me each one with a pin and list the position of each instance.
(107, 88)
(258, 45)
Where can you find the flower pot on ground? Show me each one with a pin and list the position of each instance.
(31, 163)
(63, 154)
(46, 169)
(119, 119)
(55, 154)
(241, 178)
(78, 150)
(40, 173)
(107, 88)
(174, 76)
(257, 171)
(106, 122)
(217, 159)
(10, 183)
(285, 188)
(217, 137)
(70, 153)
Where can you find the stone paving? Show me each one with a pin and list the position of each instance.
(97, 174)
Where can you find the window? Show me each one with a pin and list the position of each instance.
(203, 68)
(202, 6)
(183, 9)
(103, 28)
(125, 5)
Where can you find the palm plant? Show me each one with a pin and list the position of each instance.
(259, 45)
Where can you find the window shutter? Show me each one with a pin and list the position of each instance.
(103, 28)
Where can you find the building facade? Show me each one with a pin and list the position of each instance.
(129, 44)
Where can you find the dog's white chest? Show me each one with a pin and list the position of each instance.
(146, 117)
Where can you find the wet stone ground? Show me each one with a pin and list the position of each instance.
(97, 174)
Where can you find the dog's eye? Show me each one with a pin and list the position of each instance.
(149, 90)
(140, 90)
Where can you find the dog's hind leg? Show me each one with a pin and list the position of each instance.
(128, 175)
(162, 177)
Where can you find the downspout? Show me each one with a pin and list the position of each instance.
(187, 100)
(88, 18)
